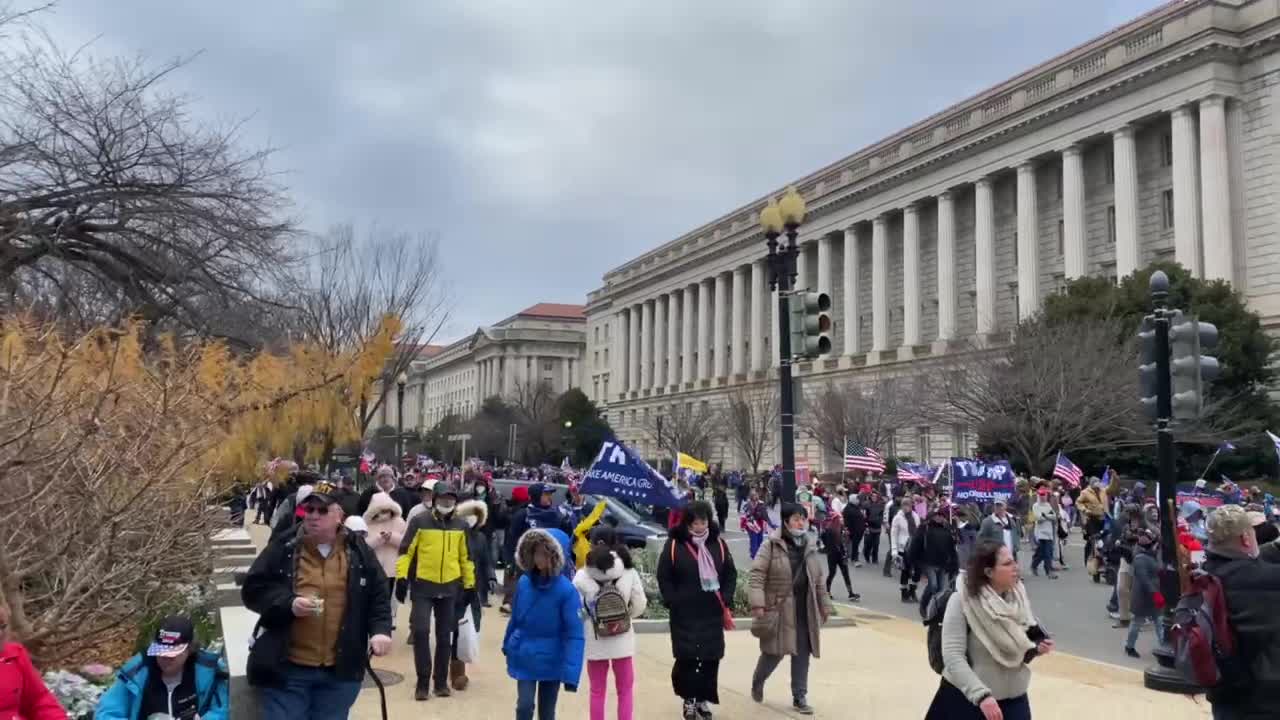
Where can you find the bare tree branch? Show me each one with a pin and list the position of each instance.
(683, 427)
(867, 412)
(750, 420)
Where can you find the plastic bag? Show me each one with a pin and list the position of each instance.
(468, 640)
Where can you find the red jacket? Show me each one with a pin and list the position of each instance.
(23, 695)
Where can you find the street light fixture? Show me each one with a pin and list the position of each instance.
(401, 380)
(785, 215)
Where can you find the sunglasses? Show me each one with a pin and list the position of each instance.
(316, 509)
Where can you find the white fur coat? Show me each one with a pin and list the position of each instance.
(588, 581)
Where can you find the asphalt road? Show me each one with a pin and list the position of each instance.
(1072, 608)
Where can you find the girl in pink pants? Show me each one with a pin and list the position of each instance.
(612, 595)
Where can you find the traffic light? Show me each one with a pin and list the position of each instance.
(1148, 383)
(810, 324)
(1190, 370)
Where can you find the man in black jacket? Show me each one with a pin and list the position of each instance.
(855, 523)
(875, 523)
(1252, 589)
(322, 600)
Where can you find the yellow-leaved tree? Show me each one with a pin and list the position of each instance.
(113, 454)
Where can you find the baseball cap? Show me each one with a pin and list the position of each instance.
(172, 637)
(323, 491)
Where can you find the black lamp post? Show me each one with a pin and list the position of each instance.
(401, 380)
(775, 219)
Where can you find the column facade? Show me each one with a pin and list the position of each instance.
(646, 345)
(659, 341)
(1215, 190)
(946, 267)
(880, 284)
(1028, 243)
(617, 370)
(850, 282)
(1074, 252)
(985, 257)
(910, 278)
(759, 311)
(802, 268)
(825, 269)
(721, 355)
(704, 331)
(738, 333)
(509, 376)
(686, 339)
(1126, 188)
(635, 354)
(673, 338)
(1186, 191)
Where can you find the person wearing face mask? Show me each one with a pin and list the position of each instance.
(434, 564)
(696, 578)
(1251, 587)
(789, 604)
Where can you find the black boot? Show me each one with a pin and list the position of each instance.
(906, 594)
(422, 692)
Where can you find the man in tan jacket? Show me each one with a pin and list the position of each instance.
(1093, 509)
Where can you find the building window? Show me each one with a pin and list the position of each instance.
(597, 358)
(1109, 272)
(546, 366)
(923, 444)
(1059, 283)
(1015, 247)
(597, 334)
(1013, 295)
(891, 445)
(1111, 224)
(1166, 150)
(1166, 208)
(1062, 238)
(1111, 167)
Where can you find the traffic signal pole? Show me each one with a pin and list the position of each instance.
(1163, 675)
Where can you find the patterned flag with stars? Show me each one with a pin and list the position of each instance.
(860, 457)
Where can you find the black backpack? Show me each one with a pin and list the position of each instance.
(933, 617)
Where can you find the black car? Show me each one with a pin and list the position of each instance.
(634, 530)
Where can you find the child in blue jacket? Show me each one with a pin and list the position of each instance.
(172, 677)
(544, 641)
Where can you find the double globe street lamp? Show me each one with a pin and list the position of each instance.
(784, 216)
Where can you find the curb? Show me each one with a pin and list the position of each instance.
(661, 626)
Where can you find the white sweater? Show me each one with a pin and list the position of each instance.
(900, 531)
(588, 581)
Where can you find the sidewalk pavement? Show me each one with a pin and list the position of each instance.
(877, 670)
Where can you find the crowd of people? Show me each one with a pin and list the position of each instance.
(327, 585)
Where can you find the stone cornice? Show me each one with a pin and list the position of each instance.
(1174, 35)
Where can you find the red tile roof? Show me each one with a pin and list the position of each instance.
(555, 310)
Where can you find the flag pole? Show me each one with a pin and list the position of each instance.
(1206, 467)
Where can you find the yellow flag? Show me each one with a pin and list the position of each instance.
(581, 545)
(689, 462)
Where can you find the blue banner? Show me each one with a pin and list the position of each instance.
(618, 471)
(977, 481)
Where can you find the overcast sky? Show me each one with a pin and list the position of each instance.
(546, 142)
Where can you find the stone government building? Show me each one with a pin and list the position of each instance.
(542, 343)
(1157, 140)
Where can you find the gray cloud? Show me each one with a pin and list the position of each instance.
(547, 142)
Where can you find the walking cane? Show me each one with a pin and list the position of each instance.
(382, 691)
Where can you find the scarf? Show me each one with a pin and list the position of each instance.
(1000, 623)
(706, 564)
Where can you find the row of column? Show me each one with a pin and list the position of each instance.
(1201, 194)
(499, 375)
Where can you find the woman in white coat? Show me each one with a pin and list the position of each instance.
(609, 567)
(386, 530)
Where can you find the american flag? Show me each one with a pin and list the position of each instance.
(802, 473)
(860, 457)
(913, 472)
(1067, 472)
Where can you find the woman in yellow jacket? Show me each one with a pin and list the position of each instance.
(433, 563)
